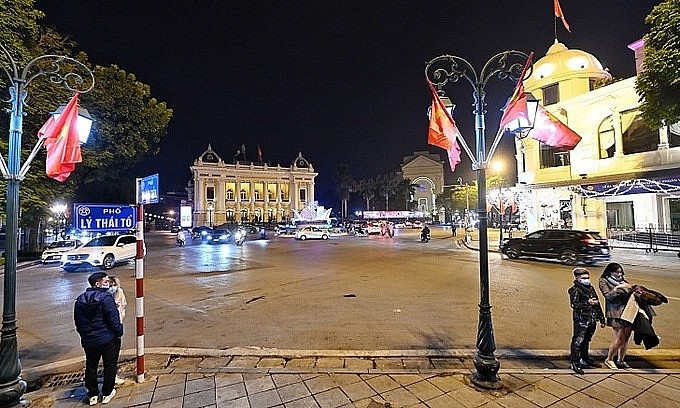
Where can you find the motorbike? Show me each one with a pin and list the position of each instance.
(239, 236)
(181, 242)
(424, 237)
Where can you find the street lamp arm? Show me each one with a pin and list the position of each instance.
(507, 64)
(54, 67)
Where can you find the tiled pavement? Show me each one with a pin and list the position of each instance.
(414, 379)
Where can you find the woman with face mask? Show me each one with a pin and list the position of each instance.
(121, 303)
(616, 292)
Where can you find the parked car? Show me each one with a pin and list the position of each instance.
(103, 252)
(218, 236)
(569, 246)
(56, 249)
(175, 229)
(374, 227)
(311, 232)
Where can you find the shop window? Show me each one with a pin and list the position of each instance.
(230, 214)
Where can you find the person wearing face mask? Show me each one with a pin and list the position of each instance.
(616, 292)
(586, 313)
(98, 323)
(121, 302)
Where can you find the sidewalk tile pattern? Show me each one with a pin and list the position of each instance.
(196, 382)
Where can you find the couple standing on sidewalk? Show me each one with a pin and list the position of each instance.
(625, 307)
(98, 315)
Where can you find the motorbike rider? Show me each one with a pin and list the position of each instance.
(181, 237)
(425, 233)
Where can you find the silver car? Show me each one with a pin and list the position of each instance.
(56, 249)
(311, 232)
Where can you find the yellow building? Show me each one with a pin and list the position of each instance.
(621, 175)
(245, 191)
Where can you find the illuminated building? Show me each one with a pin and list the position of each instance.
(246, 191)
(426, 172)
(621, 175)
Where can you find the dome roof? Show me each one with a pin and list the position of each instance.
(561, 63)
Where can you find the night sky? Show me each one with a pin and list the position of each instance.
(339, 81)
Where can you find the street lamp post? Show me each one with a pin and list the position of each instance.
(440, 70)
(467, 201)
(59, 69)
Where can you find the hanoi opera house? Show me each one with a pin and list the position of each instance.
(245, 191)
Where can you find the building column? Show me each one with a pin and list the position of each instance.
(663, 138)
(237, 196)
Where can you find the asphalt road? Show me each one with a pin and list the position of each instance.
(345, 293)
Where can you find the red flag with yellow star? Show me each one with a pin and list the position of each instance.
(62, 142)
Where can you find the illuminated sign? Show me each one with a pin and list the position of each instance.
(185, 216)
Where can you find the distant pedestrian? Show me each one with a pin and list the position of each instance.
(453, 229)
(616, 292)
(586, 312)
(98, 323)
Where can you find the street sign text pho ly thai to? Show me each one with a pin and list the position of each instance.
(104, 217)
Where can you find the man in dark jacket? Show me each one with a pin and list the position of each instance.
(586, 313)
(98, 323)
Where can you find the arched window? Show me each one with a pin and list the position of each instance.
(230, 194)
(244, 195)
(606, 139)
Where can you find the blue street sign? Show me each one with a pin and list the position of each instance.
(147, 190)
(104, 217)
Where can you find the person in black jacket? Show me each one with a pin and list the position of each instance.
(98, 324)
(586, 313)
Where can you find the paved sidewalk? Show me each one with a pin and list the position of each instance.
(261, 378)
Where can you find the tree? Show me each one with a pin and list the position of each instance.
(366, 187)
(388, 185)
(445, 200)
(343, 187)
(128, 122)
(658, 83)
(406, 190)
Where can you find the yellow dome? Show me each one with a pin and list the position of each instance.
(561, 63)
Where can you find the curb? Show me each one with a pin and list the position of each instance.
(509, 354)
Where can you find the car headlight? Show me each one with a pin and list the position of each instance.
(223, 236)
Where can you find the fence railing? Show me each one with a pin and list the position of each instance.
(651, 238)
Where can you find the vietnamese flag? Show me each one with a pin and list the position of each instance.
(442, 131)
(517, 105)
(560, 14)
(61, 142)
(552, 132)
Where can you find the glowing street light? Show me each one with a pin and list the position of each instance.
(450, 68)
(59, 69)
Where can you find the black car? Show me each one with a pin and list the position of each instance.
(569, 246)
(200, 232)
(219, 236)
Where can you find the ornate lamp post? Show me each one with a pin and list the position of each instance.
(440, 70)
(60, 70)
